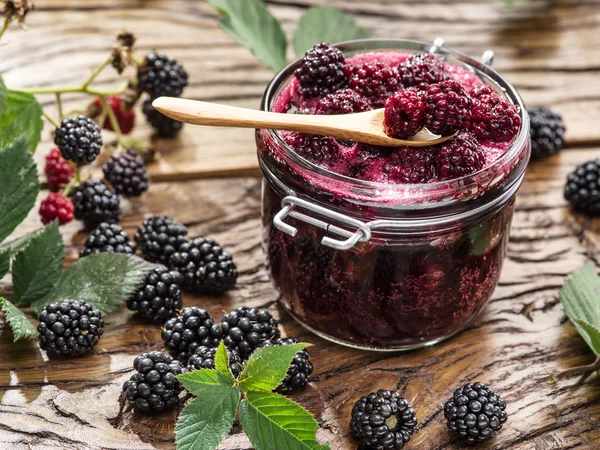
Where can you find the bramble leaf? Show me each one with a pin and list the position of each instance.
(222, 361)
(199, 381)
(22, 114)
(21, 326)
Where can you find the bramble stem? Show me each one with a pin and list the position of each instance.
(71, 89)
(586, 370)
(114, 123)
(69, 187)
(96, 72)
(59, 106)
(50, 119)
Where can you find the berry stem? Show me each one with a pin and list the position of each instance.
(59, 106)
(96, 72)
(69, 187)
(584, 370)
(112, 118)
(50, 119)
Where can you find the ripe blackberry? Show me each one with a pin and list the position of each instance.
(95, 203)
(244, 329)
(382, 421)
(192, 328)
(107, 238)
(421, 70)
(459, 157)
(158, 297)
(58, 170)
(126, 173)
(204, 358)
(79, 139)
(160, 75)
(154, 386)
(494, 118)
(158, 237)
(317, 149)
(205, 267)
(321, 71)
(125, 116)
(69, 328)
(56, 206)
(547, 132)
(164, 126)
(375, 81)
(447, 108)
(475, 413)
(411, 165)
(583, 188)
(403, 114)
(344, 101)
(300, 368)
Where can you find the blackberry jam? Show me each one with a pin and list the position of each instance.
(368, 262)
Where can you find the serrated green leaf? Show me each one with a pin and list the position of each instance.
(222, 361)
(3, 95)
(592, 332)
(199, 381)
(21, 326)
(326, 24)
(19, 185)
(251, 24)
(22, 115)
(272, 422)
(268, 366)
(104, 280)
(206, 420)
(19, 244)
(4, 263)
(36, 269)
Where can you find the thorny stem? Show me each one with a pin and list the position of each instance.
(50, 119)
(585, 370)
(96, 72)
(59, 106)
(69, 187)
(112, 118)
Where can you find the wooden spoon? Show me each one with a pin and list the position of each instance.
(364, 127)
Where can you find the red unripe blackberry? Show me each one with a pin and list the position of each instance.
(421, 70)
(411, 165)
(58, 170)
(447, 108)
(344, 101)
(321, 71)
(459, 157)
(56, 206)
(125, 116)
(403, 114)
(375, 81)
(494, 118)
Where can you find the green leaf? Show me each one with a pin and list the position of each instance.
(268, 366)
(326, 24)
(222, 361)
(251, 24)
(4, 263)
(206, 420)
(20, 324)
(19, 244)
(104, 280)
(199, 381)
(580, 299)
(22, 115)
(19, 185)
(592, 333)
(36, 269)
(272, 422)
(3, 95)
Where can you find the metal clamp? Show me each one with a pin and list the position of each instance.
(289, 206)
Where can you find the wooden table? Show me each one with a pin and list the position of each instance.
(548, 50)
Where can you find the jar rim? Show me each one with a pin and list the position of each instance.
(439, 189)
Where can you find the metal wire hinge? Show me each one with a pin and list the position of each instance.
(289, 207)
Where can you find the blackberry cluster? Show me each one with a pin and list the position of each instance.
(95, 203)
(58, 170)
(245, 329)
(382, 421)
(375, 81)
(321, 71)
(411, 165)
(421, 71)
(159, 237)
(582, 189)
(300, 368)
(447, 108)
(164, 126)
(205, 267)
(459, 157)
(547, 132)
(126, 173)
(69, 328)
(204, 358)
(161, 75)
(107, 238)
(475, 413)
(403, 114)
(317, 149)
(192, 328)
(56, 206)
(159, 297)
(79, 139)
(494, 118)
(344, 101)
(154, 386)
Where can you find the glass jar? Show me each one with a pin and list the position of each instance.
(386, 266)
